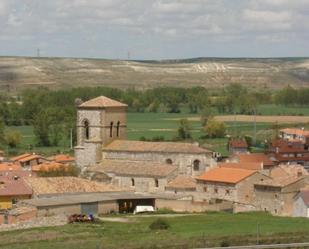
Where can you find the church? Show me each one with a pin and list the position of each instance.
(142, 166)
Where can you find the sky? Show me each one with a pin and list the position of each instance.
(154, 29)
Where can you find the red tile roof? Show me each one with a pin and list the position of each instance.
(255, 158)
(102, 102)
(249, 166)
(61, 158)
(11, 187)
(9, 166)
(17, 158)
(226, 175)
(238, 143)
(295, 131)
(163, 147)
(29, 158)
(43, 167)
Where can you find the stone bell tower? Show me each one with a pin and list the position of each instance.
(99, 121)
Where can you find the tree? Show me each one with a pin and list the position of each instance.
(206, 114)
(184, 130)
(41, 127)
(215, 129)
(2, 140)
(12, 138)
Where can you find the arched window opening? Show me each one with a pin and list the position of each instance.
(118, 126)
(86, 129)
(111, 130)
(156, 183)
(196, 165)
(169, 161)
(132, 182)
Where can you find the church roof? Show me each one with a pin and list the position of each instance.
(102, 102)
(164, 147)
(134, 168)
(182, 182)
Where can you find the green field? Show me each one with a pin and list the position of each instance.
(199, 230)
(150, 125)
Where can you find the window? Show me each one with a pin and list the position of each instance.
(216, 190)
(276, 196)
(227, 191)
(205, 189)
(132, 182)
(156, 183)
(111, 130)
(169, 161)
(196, 165)
(118, 126)
(276, 211)
(86, 129)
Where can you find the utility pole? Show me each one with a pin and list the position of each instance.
(254, 136)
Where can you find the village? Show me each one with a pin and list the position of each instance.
(109, 174)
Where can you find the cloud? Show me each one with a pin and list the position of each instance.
(161, 24)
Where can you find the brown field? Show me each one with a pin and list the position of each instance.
(259, 119)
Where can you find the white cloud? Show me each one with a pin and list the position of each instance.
(121, 22)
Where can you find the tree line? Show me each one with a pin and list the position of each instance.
(52, 112)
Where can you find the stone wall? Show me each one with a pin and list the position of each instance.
(184, 161)
(108, 207)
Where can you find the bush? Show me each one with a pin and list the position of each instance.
(159, 224)
(225, 243)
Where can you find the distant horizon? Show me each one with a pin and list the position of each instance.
(167, 59)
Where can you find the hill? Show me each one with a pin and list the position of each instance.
(17, 73)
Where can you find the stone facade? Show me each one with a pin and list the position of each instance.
(184, 161)
(277, 200)
(97, 127)
(300, 209)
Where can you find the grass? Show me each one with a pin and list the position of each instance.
(199, 230)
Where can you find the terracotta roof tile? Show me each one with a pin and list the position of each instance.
(17, 158)
(29, 158)
(255, 158)
(250, 166)
(164, 147)
(11, 187)
(61, 158)
(102, 102)
(226, 175)
(135, 168)
(182, 182)
(9, 166)
(295, 131)
(43, 167)
(68, 184)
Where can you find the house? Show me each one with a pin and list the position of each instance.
(295, 134)
(276, 195)
(230, 184)
(137, 176)
(301, 204)
(12, 190)
(285, 152)
(238, 146)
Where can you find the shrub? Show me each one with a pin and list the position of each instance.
(225, 243)
(159, 224)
